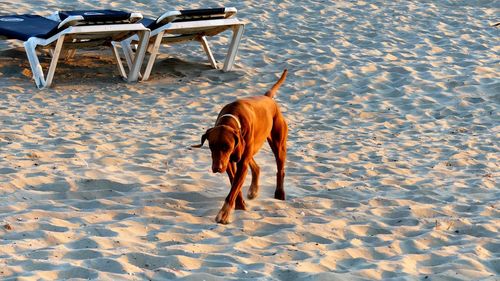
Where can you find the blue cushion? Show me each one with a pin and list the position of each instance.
(211, 12)
(203, 12)
(149, 23)
(23, 27)
(96, 15)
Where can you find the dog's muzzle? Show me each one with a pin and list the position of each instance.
(218, 169)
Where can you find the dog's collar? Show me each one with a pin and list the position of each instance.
(231, 116)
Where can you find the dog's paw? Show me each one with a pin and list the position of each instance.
(224, 214)
(222, 217)
(252, 193)
(280, 195)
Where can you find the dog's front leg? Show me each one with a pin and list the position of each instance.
(231, 170)
(240, 202)
(229, 203)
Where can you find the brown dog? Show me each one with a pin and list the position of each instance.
(239, 132)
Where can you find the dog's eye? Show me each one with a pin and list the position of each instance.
(224, 147)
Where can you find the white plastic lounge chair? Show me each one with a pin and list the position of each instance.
(187, 25)
(70, 30)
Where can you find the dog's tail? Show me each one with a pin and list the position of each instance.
(276, 86)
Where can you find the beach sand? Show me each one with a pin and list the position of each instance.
(393, 154)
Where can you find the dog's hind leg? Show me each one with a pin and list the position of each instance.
(280, 156)
(254, 186)
(277, 141)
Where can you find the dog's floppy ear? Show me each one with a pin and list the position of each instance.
(239, 147)
(203, 139)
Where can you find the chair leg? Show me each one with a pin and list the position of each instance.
(36, 68)
(72, 54)
(139, 56)
(127, 52)
(206, 47)
(121, 69)
(152, 56)
(68, 54)
(233, 47)
(53, 62)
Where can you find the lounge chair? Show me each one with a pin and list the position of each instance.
(188, 25)
(66, 31)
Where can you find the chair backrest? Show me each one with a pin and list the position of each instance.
(96, 17)
(193, 15)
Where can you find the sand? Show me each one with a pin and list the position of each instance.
(393, 156)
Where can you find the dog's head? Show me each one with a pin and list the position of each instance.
(225, 144)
